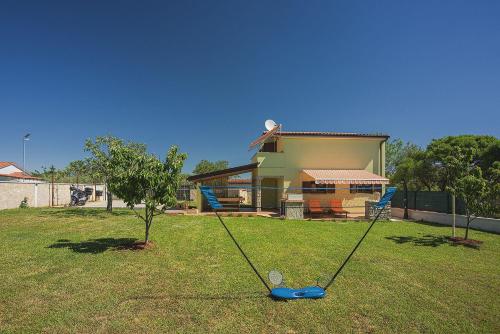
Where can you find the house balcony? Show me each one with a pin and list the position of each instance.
(269, 159)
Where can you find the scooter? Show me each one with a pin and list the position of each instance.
(78, 196)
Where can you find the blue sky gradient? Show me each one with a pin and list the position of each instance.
(205, 75)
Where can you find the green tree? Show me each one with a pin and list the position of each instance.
(76, 169)
(425, 175)
(93, 173)
(489, 159)
(100, 161)
(205, 166)
(469, 185)
(139, 177)
(441, 152)
(405, 176)
(395, 151)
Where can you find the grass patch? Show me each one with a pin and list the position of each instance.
(72, 270)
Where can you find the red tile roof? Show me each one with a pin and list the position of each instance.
(7, 164)
(16, 175)
(21, 175)
(329, 134)
(345, 176)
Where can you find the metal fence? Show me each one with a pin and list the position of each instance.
(436, 201)
(186, 193)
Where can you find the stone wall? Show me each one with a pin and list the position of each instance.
(371, 211)
(38, 194)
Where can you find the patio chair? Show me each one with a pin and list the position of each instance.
(315, 206)
(336, 207)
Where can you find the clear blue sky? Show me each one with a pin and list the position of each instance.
(206, 74)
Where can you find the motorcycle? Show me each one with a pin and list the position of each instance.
(78, 196)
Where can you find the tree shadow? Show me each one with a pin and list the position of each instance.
(84, 212)
(425, 240)
(96, 246)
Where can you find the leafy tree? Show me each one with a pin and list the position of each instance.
(441, 152)
(469, 185)
(100, 161)
(395, 151)
(405, 176)
(205, 166)
(494, 183)
(93, 173)
(489, 159)
(139, 177)
(425, 175)
(76, 169)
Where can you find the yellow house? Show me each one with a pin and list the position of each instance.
(321, 165)
(314, 165)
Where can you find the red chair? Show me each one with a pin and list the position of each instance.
(336, 207)
(315, 206)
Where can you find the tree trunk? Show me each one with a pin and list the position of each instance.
(109, 206)
(149, 220)
(467, 228)
(405, 200)
(146, 239)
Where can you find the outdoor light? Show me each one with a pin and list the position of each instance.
(25, 139)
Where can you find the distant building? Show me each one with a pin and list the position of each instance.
(9, 171)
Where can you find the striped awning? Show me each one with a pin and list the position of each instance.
(344, 176)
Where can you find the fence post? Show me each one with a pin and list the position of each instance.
(35, 200)
(453, 213)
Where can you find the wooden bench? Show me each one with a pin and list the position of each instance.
(232, 202)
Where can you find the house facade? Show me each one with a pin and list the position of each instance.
(322, 166)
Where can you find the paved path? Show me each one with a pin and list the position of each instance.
(117, 203)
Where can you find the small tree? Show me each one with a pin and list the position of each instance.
(474, 192)
(139, 177)
(100, 162)
(404, 175)
(466, 182)
(406, 171)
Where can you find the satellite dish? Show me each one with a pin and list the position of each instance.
(270, 124)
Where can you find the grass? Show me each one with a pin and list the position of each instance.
(66, 270)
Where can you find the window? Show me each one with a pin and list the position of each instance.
(269, 147)
(310, 187)
(365, 188)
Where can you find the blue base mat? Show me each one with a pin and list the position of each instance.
(313, 292)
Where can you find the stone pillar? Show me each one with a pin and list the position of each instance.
(371, 211)
(258, 193)
(293, 209)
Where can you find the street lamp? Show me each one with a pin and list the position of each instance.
(25, 139)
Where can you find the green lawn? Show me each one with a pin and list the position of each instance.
(64, 271)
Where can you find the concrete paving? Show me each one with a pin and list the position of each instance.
(117, 203)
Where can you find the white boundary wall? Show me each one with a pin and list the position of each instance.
(38, 194)
(482, 224)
